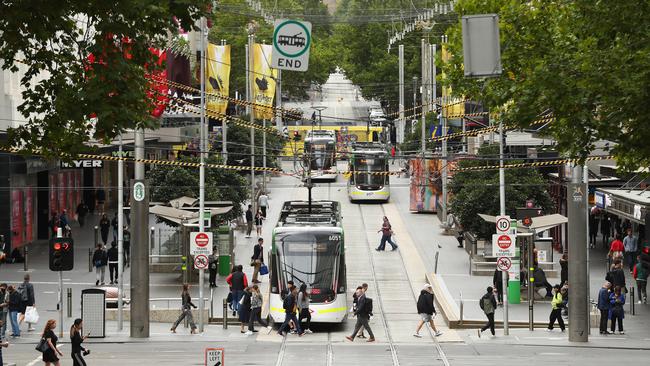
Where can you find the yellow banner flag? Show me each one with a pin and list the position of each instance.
(263, 82)
(217, 77)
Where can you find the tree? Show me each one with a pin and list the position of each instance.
(63, 87)
(585, 61)
(170, 182)
(239, 146)
(475, 192)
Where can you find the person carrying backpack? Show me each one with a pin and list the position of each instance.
(100, 259)
(427, 310)
(363, 313)
(640, 274)
(488, 303)
(28, 299)
(290, 308)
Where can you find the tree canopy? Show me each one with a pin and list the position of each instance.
(475, 192)
(63, 87)
(585, 61)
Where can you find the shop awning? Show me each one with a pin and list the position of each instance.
(179, 216)
(540, 223)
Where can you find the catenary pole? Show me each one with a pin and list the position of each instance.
(578, 273)
(139, 325)
(400, 129)
(120, 238)
(203, 147)
(251, 78)
(224, 131)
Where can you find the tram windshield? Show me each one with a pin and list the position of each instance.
(363, 166)
(321, 155)
(312, 258)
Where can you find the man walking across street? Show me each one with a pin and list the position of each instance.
(249, 221)
(290, 306)
(603, 306)
(257, 259)
(263, 201)
(104, 226)
(28, 299)
(630, 244)
(386, 233)
(99, 261)
(238, 282)
(488, 303)
(640, 274)
(363, 313)
(82, 211)
(426, 310)
(113, 260)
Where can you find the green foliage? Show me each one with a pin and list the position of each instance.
(170, 182)
(239, 146)
(51, 41)
(475, 192)
(412, 139)
(586, 61)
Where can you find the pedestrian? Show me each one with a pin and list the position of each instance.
(100, 260)
(604, 306)
(82, 211)
(564, 269)
(51, 355)
(605, 229)
(556, 310)
(363, 313)
(303, 308)
(28, 299)
(257, 259)
(15, 306)
(244, 310)
(256, 311)
(630, 245)
(640, 274)
(355, 303)
(290, 307)
(426, 310)
(238, 282)
(54, 224)
(100, 195)
(386, 233)
(616, 276)
(263, 202)
(616, 248)
(4, 309)
(64, 219)
(488, 304)
(497, 282)
(3, 343)
(114, 223)
(249, 221)
(213, 261)
(186, 310)
(258, 222)
(616, 311)
(104, 226)
(76, 338)
(126, 246)
(113, 261)
(540, 279)
(593, 227)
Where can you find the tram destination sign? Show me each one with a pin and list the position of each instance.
(291, 42)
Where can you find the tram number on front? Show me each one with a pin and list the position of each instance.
(335, 238)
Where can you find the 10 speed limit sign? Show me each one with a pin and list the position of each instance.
(503, 224)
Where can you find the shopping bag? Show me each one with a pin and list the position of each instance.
(264, 270)
(31, 315)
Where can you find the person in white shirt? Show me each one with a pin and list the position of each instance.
(263, 202)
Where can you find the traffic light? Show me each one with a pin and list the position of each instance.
(527, 221)
(296, 136)
(61, 254)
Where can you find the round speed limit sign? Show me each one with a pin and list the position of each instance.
(503, 224)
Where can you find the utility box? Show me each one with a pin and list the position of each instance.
(225, 243)
(93, 312)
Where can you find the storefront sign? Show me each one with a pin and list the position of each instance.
(80, 164)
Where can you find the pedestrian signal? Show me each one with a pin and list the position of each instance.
(296, 136)
(61, 254)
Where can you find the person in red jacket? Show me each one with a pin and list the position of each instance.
(616, 248)
(238, 282)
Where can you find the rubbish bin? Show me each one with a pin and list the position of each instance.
(93, 312)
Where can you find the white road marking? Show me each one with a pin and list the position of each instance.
(40, 358)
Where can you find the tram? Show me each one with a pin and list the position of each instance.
(308, 247)
(367, 158)
(320, 154)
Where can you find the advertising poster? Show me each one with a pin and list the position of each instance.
(29, 215)
(17, 238)
(217, 77)
(53, 195)
(264, 78)
(425, 185)
(61, 188)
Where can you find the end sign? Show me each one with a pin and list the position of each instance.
(291, 41)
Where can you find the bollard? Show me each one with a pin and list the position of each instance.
(96, 236)
(462, 308)
(69, 302)
(632, 310)
(26, 255)
(90, 260)
(435, 268)
(225, 314)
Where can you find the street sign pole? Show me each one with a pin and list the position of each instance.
(503, 226)
(203, 147)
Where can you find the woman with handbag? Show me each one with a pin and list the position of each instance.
(186, 309)
(48, 344)
(76, 339)
(256, 310)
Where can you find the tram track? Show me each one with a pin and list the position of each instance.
(441, 353)
(391, 344)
